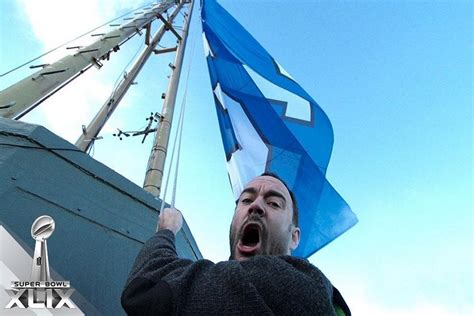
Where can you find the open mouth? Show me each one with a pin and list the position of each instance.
(249, 243)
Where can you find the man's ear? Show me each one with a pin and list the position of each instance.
(295, 237)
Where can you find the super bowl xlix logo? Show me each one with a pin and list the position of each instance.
(40, 291)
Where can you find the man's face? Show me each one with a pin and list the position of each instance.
(262, 222)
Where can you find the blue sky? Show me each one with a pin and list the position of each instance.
(395, 79)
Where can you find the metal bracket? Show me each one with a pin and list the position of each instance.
(111, 36)
(94, 139)
(38, 66)
(88, 51)
(165, 50)
(148, 34)
(6, 106)
(169, 26)
(97, 63)
(52, 72)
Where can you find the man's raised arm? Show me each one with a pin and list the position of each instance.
(146, 292)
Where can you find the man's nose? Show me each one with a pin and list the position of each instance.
(257, 207)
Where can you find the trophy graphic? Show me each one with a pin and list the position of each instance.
(42, 229)
(40, 291)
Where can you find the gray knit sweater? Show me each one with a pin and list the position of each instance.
(160, 283)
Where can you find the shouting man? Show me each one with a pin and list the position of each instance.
(261, 276)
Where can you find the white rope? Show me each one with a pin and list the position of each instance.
(163, 197)
(180, 131)
(183, 107)
(178, 137)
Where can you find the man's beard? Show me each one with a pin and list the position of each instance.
(269, 246)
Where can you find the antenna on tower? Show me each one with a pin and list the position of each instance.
(153, 118)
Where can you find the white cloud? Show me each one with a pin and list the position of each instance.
(75, 105)
(54, 22)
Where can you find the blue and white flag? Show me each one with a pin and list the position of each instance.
(269, 123)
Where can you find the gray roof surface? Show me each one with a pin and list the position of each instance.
(102, 219)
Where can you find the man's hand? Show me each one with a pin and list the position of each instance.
(171, 219)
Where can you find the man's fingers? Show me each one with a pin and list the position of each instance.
(170, 209)
(171, 219)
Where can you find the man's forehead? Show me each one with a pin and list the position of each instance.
(266, 183)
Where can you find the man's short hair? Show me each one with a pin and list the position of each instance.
(292, 195)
